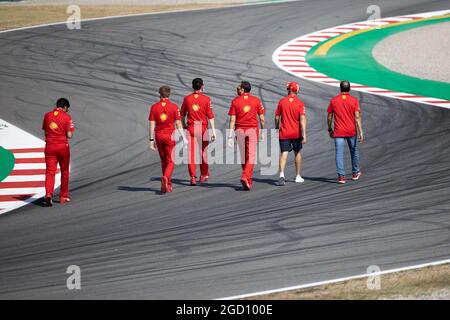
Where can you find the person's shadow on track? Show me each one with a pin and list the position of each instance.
(139, 189)
(207, 184)
(321, 179)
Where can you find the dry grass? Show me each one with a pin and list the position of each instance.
(416, 284)
(15, 16)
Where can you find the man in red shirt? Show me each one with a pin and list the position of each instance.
(198, 109)
(58, 127)
(344, 109)
(290, 119)
(244, 113)
(163, 117)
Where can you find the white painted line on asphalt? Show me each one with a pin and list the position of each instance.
(24, 178)
(28, 155)
(21, 166)
(19, 191)
(320, 283)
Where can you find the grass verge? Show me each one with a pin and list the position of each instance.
(426, 283)
(16, 16)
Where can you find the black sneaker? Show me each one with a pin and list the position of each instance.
(281, 181)
(48, 202)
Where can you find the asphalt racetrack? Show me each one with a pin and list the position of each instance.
(212, 241)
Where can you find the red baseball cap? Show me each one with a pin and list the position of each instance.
(293, 86)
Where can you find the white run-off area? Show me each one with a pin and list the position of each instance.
(419, 52)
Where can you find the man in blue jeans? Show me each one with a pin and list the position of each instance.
(344, 110)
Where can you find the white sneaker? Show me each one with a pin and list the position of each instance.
(299, 179)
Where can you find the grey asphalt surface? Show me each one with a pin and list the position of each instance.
(212, 241)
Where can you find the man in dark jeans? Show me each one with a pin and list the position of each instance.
(344, 110)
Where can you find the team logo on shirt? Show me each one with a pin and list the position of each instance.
(163, 104)
(344, 97)
(246, 109)
(195, 96)
(245, 97)
(55, 113)
(53, 126)
(195, 107)
(291, 99)
(163, 117)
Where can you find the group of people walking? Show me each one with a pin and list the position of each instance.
(246, 124)
(246, 127)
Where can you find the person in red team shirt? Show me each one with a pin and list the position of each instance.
(198, 110)
(163, 117)
(244, 113)
(290, 119)
(58, 127)
(344, 109)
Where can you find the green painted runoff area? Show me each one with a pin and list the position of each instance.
(352, 60)
(6, 163)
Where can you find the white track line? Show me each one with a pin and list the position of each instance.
(24, 178)
(29, 155)
(21, 166)
(20, 191)
(320, 283)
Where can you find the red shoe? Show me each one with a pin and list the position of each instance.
(64, 200)
(203, 179)
(193, 181)
(164, 184)
(356, 175)
(245, 183)
(48, 201)
(341, 180)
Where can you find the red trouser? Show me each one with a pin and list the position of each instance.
(195, 138)
(247, 139)
(165, 145)
(54, 154)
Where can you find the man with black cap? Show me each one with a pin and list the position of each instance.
(290, 119)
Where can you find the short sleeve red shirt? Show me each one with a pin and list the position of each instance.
(164, 113)
(56, 124)
(246, 108)
(198, 108)
(290, 108)
(344, 106)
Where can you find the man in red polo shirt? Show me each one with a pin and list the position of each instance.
(198, 109)
(244, 113)
(58, 127)
(163, 117)
(344, 109)
(290, 119)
